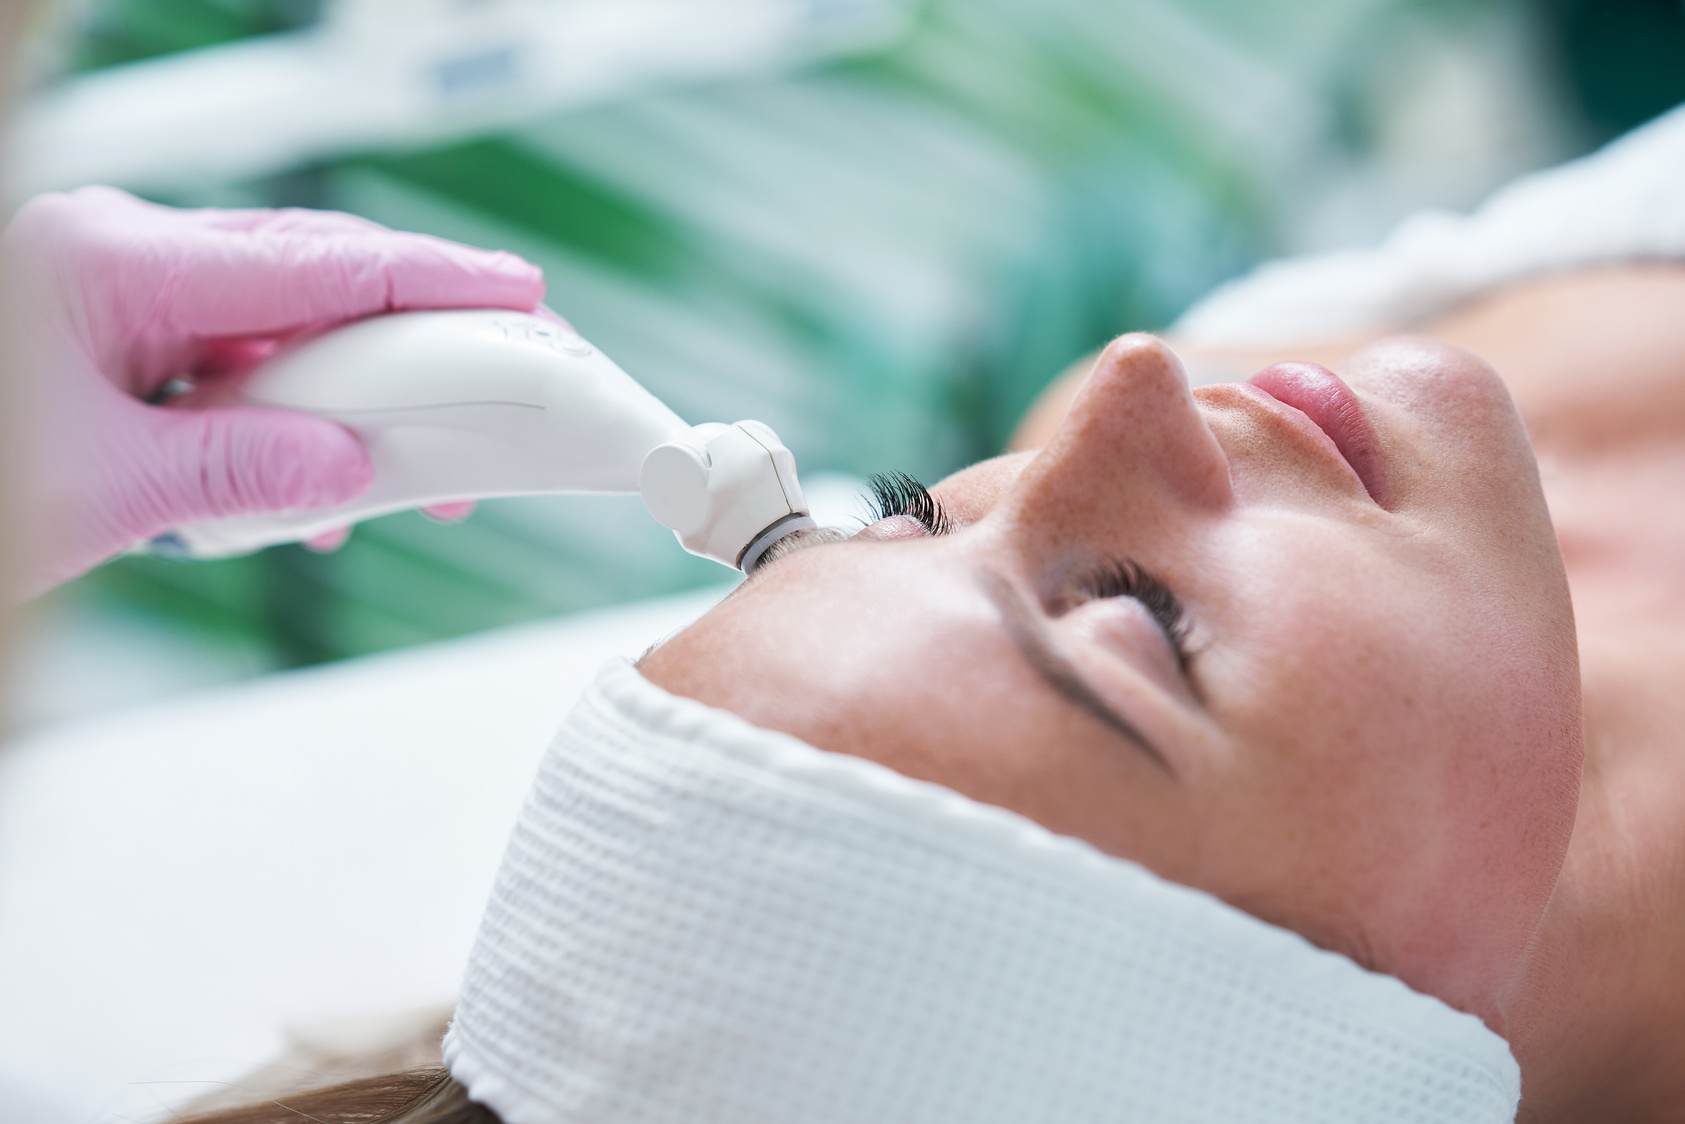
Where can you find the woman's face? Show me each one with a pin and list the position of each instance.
(1372, 732)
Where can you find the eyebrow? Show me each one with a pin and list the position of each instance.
(1039, 651)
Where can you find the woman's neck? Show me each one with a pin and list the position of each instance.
(1607, 978)
(1602, 386)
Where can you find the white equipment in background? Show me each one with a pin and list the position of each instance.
(377, 73)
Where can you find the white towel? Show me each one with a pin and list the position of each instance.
(702, 922)
(1623, 203)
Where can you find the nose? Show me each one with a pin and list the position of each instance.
(1132, 447)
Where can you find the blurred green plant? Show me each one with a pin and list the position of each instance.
(1626, 58)
(110, 32)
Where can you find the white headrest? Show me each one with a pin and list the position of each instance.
(702, 922)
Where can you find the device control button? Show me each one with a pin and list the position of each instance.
(544, 334)
(554, 337)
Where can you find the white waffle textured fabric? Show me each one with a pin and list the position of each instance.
(1624, 203)
(702, 922)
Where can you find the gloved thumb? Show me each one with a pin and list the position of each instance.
(213, 463)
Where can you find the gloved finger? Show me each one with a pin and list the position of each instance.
(208, 464)
(222, 357)
(328, 541)
(449, 512)
(172, 274)
(270, 279)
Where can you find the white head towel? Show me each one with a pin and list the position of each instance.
(1624, 203)
(702, 922)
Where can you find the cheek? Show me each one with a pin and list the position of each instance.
(1325, 681)
(1401, 765)
(1520, 753)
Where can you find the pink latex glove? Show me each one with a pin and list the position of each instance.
(114, 296)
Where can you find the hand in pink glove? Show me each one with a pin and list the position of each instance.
(118, 296)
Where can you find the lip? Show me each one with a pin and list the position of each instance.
(1332, 407)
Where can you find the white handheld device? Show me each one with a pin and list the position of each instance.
(477, 403)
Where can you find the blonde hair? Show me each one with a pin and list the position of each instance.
(382, 1068)
(428, 1095)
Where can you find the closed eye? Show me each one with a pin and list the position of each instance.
(1126, 578)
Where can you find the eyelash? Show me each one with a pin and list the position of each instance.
(896, 493)
(1125, 578)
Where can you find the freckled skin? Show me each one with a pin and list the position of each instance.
(1387, 754)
